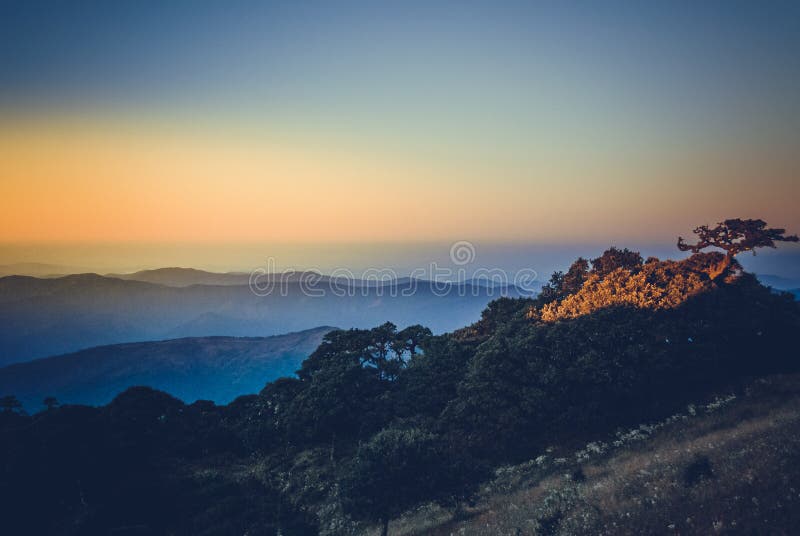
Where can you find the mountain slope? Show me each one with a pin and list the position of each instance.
(728, 467)
(209, 368)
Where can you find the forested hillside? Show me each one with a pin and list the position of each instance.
(380, 421)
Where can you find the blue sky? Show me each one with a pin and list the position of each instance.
(307, 62)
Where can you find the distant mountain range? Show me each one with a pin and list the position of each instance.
(209, 368)
(38, 269)
(779, 283)
(783, 284)
(184, 277)
(43, 317)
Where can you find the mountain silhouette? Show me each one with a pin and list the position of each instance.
(210, 368)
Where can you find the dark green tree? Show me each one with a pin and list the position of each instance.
(345, 384)
(614, 258)
(341, 397)
(50, 402)
(10, 404)
(563, 284)
(551, 291)
(408, 342)
(432, 378)
(394, 471)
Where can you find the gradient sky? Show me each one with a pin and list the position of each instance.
(192, 122)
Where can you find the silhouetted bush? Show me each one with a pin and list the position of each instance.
(699, 469)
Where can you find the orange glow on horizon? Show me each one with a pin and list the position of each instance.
(69, 181)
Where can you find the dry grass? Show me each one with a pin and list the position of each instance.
(729, 468)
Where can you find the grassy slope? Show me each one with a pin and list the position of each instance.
(731, 467)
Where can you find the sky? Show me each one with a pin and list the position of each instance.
(219, 128)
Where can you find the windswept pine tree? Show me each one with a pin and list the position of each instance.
(735, 236)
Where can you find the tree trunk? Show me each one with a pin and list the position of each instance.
(721, 268)
(385, 526)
